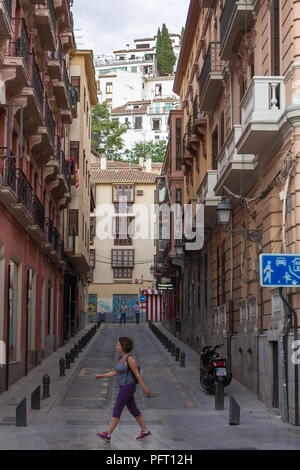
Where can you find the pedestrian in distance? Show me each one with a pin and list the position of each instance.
(137, 311)
(123, 312)
(126, 370)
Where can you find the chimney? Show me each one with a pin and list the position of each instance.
(149, 165)
(103, 163)
(141, 162)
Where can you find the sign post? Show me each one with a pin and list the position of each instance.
(283, 271)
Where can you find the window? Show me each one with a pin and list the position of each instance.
(138, 123)
(158, 89)
(143, 46)
(14, 293)
(156, 124)
(123, 230)
(275, 38)
(123, 194)
(74, 151)
(123, 273)
(222, 130)
(215, 148)
(178, 144)
(50, 309)
(122, 258)
(92, 229)
(109, 88)
(93, 259)
(75, 82)
(73, 222)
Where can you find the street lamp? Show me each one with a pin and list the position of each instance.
(224, 212)
(152, 270)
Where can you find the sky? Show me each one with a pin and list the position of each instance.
(108, 25)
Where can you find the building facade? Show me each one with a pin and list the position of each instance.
(37, 108)
(123, 245)
(77, 215)
(238, 82)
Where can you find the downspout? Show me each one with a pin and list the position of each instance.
(231, 329)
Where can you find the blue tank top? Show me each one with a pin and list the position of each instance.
(125, 376)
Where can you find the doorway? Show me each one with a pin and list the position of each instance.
(275, 362)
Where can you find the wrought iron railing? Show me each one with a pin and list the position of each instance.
(57, 54)
(38, 85)
(212, 64)
(67, 84)
(21, 46)
(49, 230)
(58, 243)
(49, 121)
(9, 173)
(226, 17)
(8, 6)
(24, 191)
(38, 213)
(51, 9)
(65, 172)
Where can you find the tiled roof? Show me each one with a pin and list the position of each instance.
(122, 176)
(115, 164)
(125, 110)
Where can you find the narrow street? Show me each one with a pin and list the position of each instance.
(180, 415)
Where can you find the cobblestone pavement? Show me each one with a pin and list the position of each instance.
(180, 415)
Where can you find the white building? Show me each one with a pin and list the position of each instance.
(123, 76)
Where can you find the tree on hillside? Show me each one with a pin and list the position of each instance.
(158, 45)
(106, 133)
(166, 58)
(156, 149)
(182, 34)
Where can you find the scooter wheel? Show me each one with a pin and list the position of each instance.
(204, 384)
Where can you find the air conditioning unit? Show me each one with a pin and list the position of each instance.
(140, 192)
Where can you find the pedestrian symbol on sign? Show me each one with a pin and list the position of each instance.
(279, 270)
(268, 272)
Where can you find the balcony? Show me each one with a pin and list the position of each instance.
(188, 158)
(8, 181)
(5, 18)
(42, 143)
(237, 18)
(52, 168)
(60, 187)
(207, 3)
(211, 77)
(17, 60)
(196, 130)
(55, 64)
(234, 170)
(45, 22)
(62, 92)
(37, 230)
(68, 42)
(34, 108)
(207, 195)
(63, 14)
(262, 108)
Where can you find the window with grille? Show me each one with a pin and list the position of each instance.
(123, 230)
(109, 88)
(122, 258)
(138, 123)
(156, 124)
(178, 144)
(93, 259)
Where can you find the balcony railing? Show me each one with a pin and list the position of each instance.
(51, 9)
(24, 191)
(38, 85)
(65, 171)
(57, 54)
(49, 121)
(57, 242)
(212, 64)
(8, 6)
(21, 46)
(67, 84)
(49, 229)
(9, 174)
(38, 213)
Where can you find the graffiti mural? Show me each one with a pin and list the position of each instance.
(105, 305)
(130, 301)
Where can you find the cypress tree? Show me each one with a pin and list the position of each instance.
(166, 58)
(158, 48)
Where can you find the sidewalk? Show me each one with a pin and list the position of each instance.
(24, 387)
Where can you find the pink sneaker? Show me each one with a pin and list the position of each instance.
(104, 436)
(143, 435)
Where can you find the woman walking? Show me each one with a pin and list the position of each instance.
(126, 370)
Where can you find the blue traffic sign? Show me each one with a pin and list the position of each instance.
(142, 299)
(279, 270)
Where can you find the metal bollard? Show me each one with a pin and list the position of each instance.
(62, 367)
(68, 361)
(76, 350)
(173, 349)
(182, 359)
(169, 345)
(72, 355)
(36, 399)
(177, 354)
(21, 414)
(46, 386)
(234, 412)
(219, 397)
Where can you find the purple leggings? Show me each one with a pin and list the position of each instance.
(126, 398)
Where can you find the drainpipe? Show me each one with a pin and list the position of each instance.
(285, 337)
(231, 331)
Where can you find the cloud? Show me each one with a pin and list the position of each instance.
(107, 25)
